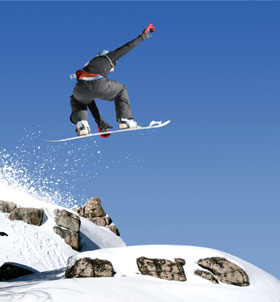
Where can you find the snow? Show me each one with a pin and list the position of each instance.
(44, 251)
(39, 247)
(129, 286)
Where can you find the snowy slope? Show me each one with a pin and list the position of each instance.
(39, 247)
(43, 250)
(129, 286)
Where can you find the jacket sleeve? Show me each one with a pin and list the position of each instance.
(123, 50)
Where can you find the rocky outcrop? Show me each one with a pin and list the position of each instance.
(94, 212)
(68, 227)
(28, 215)
(180, 261)
(86, 267)
(225, 271)
(67, 220)
(3, 234)
(7, 206)
(101, 221)
(206, 275)
(93, 208)
(162, 268)
(10, 271)
(70, 237)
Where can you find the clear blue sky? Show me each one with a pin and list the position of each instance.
(210, 178)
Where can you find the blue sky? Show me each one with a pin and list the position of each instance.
(210, 178)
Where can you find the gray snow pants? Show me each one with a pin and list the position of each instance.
(86, 91)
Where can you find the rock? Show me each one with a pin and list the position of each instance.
(7, 206)
(77, 209)
(70, 237)
(94, 212)
(180, 261)
(28, 215)
(3, 234)
(92, 208)
(67, 220)
(206, 275)
(10, 271)
(68, 227)
(86, 267)
(101, 221)
(225, 271)
(113, 228)
(161, 268)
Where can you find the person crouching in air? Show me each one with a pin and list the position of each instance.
(92, 82)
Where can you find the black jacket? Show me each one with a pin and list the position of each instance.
(102, 65)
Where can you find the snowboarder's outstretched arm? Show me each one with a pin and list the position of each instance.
(123, 50)
(103, 63)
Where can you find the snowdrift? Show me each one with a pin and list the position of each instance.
(128, 285)
(44, 251)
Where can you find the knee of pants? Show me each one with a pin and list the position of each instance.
(123, 94)
(76, 105)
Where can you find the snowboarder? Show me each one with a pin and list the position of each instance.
(92, 82)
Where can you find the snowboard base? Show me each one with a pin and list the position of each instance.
(152, 125)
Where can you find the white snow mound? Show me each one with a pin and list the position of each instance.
(129, 286)
(43, 250)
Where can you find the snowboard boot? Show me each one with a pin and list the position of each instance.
(125, 123)
(82, 128)
(103, 127)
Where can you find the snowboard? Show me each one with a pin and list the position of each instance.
(152, 125)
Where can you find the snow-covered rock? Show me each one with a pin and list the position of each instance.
(41, 250)
(39, 247)
(28, 215)
(7, 206)
(67, 220)
(162, 268)
(87, 267)
(94, 212)
(129, 285)
(11, 271)
(225, 271)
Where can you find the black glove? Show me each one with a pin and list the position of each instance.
(103, 127)
(147, 30)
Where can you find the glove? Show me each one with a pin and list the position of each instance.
(148, 29)
(103, 127)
